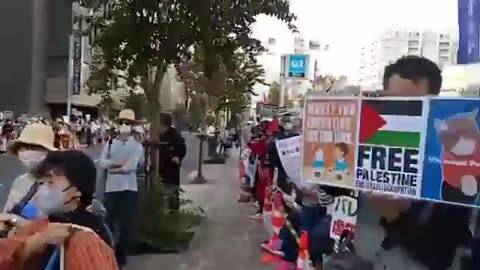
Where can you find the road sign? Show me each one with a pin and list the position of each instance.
(296, 66)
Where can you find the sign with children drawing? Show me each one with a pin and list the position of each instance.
(452, 159)
(390, 149)
(421, 147)
(330, 133)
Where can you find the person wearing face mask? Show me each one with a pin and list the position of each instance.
(31, 148)
(121, 158)
(69, 184)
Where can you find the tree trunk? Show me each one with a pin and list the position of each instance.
(154, 109)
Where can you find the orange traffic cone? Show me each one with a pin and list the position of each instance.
(303, 258)
(267, 210)
(277, 223)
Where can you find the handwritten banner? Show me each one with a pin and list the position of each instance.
(344, 215)
(290, 156)
(330, 134)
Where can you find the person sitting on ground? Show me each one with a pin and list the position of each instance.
(69, 184)
(30, 148)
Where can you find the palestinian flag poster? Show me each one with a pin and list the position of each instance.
(330, 129)
(390, 145)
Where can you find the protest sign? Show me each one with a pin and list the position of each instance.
(344, 215)
(452, 157)
(390, 147)
(329, 137)
(289, 153)
(268, 110)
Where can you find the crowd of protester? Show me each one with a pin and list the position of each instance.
(391, 232)
(56, 215)
(73, 134)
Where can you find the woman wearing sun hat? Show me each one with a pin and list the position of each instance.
(31, 148)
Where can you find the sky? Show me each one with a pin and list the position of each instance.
(346, 24)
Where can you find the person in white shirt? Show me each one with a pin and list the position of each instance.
(120, 158)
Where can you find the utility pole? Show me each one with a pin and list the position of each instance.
(70, 78)
(282, 81)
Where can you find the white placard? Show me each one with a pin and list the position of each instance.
(344, 215)
(289, 151)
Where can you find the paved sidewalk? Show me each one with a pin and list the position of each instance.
(228, 239)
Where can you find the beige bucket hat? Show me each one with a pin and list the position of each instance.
(35, 134)
(127, 115)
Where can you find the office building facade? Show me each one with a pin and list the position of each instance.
(440, 47)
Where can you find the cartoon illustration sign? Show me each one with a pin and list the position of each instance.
(389, 149)
(330, 133)
(452, 157)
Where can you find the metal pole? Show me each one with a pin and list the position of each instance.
(282, 80)
(199, 179)
(70, 78)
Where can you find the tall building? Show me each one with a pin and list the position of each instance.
(35, 53)
(391, 45)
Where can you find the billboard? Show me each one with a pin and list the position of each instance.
(469, 31)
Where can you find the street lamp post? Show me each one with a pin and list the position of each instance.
(199, 179)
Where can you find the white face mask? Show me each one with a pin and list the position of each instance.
(125, 129)
(31, 158)
(464, 147)
(288, 126)
(50, 200)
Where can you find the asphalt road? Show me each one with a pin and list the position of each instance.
(10, 167)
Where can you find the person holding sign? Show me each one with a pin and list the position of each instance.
(418, 234)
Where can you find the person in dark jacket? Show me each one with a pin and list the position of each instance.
(172, 150)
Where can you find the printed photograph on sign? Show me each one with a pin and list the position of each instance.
(330, 131)
(452, 156)
(388, 153)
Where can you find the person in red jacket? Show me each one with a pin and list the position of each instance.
(264, 172)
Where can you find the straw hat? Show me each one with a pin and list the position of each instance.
(35, 134)
(127, 115)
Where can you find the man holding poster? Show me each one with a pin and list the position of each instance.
(413, 234)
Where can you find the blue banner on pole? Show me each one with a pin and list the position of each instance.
(77, 62)
(469, 31)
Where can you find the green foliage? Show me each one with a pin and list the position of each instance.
(224, 26)
(274, 94)
(233, 92)
(162, 230)
(136, 102)
(141, 36)
(101, 76)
